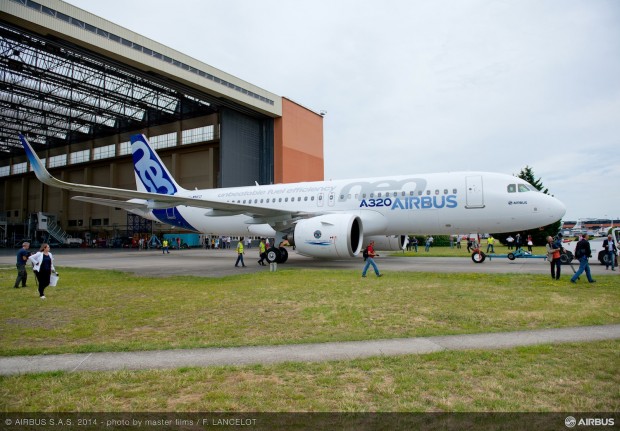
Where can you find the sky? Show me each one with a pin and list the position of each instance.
(419, 86)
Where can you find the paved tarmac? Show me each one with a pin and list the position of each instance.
(108, 361)
(219, 263)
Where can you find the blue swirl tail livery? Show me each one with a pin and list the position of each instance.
(325, 219)
(151, 174)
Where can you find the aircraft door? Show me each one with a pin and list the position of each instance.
(475, 197)
(332, 199)
(170, 213)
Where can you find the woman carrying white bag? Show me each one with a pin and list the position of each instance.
(43, 266)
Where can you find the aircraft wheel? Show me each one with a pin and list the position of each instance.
(566, 258)
(283, 255)
(511, 256)
(273, 255)
(478, 257)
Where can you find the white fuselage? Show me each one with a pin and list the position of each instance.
(445, 203)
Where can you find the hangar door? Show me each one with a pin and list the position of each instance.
(246, 149)
(475, 197)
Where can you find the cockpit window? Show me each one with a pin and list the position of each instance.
(512, 188)
(523, 188)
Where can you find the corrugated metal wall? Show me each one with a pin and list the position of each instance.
(246, 150)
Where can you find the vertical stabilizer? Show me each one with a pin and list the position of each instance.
(151, 174)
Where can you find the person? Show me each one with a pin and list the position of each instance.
(22, 258)
(370, 253)
(470, 243)
(164, 247)
(609, 245)
(509, 241)
(429, 241)
(518, 242)
(262, 252)
(458, 241)
(583, 253)
(240, 253)
(414, 243)
(553, 256)
(43, 266)
(491, 244)
(530, 243)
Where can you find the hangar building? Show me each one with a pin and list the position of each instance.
(78, 86)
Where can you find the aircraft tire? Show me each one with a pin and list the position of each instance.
(273, 255)
(511, 256)
(283, 255)
(478, 257)
(566, 258)
(603, 257)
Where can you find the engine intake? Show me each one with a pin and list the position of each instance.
(328, 236)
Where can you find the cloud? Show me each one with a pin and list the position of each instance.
(423, 86)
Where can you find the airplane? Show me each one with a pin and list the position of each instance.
(326, 219)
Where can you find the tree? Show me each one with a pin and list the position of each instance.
(539, 236)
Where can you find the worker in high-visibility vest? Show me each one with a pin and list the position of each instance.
(240, 253)
(491, 244)
(262, 250)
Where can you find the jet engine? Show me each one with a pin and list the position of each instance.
(328, 236)
(388, 243)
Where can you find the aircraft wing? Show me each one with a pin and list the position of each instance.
(152, 200)
(126, 205)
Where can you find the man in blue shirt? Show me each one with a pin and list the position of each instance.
(22, 257)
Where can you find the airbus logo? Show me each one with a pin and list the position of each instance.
(149, 170)
(517, 202)
(412, 203)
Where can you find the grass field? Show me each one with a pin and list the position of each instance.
(106, 311)
(461, 252)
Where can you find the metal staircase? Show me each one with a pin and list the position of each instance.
(56, 231)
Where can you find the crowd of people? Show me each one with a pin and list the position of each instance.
(42, 262)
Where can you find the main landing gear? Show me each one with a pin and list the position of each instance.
(277, 255)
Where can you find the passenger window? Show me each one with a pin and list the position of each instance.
(305, 198)
(379, 194)
(445, 191)
(512, 188)
(428, 192)
(453, 191)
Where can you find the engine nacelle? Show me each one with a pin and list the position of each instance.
(328, 236)
(388, 243)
